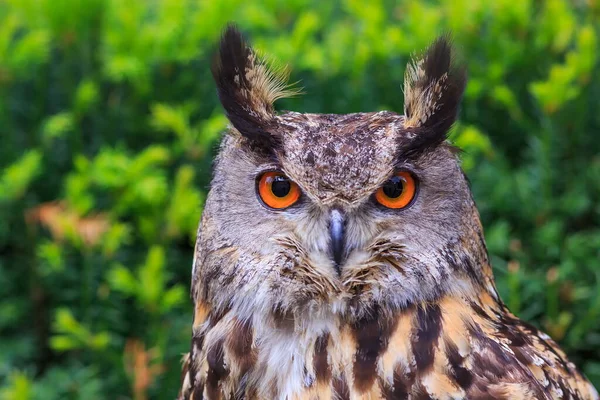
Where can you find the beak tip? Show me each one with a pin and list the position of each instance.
(337, 258)
(336, 233)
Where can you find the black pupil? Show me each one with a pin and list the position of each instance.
(394, 187)
(281, 186)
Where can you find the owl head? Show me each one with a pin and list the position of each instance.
(316, 215)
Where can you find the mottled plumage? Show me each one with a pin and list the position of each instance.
(337, 296)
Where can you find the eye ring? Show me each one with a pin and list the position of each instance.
(398, 192)
(276, 191)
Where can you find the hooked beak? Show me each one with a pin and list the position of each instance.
(337, 225)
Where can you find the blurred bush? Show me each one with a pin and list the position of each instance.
(109, 120)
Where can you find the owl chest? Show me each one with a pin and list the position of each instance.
(324, 361)
(345, 364)
(434, 352)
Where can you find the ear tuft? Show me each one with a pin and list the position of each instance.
(247, 87)
(433, 88)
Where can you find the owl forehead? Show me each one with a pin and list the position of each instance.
(339, 157)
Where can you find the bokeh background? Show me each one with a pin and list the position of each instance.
(109, 121)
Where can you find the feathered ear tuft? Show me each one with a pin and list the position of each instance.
(433, 88)
(247, 88)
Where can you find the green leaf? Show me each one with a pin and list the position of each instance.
(86, 96)
(63, 343)
(184, 211)
(18, 387)
(122, 280)
(99, 341)
(65, 322)
(152, 277)
(57, 126)
(51, 256)
(172, 298)
(15, 179)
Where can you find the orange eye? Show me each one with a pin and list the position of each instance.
(277, 191)
(397, 192)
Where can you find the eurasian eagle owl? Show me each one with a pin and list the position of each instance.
(342, 256)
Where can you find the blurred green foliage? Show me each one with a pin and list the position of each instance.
(109, 121)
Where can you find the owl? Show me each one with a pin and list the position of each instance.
(342, 256)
